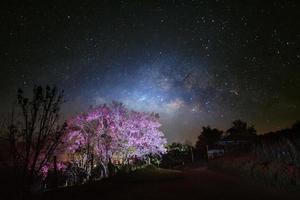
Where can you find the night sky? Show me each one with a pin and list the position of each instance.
(196, 63)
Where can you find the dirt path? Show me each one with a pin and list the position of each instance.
(198, 183)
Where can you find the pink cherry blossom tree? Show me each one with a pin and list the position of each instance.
(112, 132)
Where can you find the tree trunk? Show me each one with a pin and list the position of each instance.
(104, 170)
(92, 166)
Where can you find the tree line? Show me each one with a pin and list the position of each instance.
(280, 146)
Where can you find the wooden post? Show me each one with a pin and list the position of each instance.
(55, 172)
(192, 154)
(206, 152)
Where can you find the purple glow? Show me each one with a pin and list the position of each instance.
(112, 130)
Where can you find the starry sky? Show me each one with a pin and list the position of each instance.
(195, 63)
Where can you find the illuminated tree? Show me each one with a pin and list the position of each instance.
(112, 132)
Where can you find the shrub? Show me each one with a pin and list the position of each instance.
(276, 174)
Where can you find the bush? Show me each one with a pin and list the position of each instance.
(276, 174)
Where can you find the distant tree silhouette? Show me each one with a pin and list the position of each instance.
(208, 136)
(241, 131)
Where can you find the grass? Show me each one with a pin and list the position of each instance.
(154, 183)
(149, 173)
(146, 175)
(278, 175)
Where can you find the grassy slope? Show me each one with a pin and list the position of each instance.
(149, 173)
(154, 184)
(120, 183)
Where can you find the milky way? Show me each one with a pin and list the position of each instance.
(197, 63)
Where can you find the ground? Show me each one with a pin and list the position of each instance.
(193, 183)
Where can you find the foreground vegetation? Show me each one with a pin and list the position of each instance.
(141, 175)
(278, 175)
(149, 182)
(148, 173)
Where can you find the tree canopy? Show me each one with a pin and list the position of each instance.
(208, 136)
(240, 131)
(112, 131)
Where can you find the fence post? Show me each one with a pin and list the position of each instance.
(55, 172)
(192, 154)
